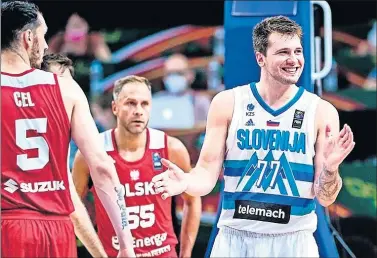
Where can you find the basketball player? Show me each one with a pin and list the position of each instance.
(40, 111)
(280, 147)
(137, 151)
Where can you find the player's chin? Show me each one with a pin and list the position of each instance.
(137, 129)
(290, 80)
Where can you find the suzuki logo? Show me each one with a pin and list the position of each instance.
(11, 186)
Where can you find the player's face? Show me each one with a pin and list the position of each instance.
(39, 44)
(284, 60)
(132, 107)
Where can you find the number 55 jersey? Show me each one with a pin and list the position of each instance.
(149, 216)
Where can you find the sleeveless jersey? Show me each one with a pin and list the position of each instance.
(35, 134)
(268, 168)
(149, 216)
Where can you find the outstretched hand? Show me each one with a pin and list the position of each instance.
(336, 150)
(171, 182)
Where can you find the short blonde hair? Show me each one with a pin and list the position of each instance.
(119, 84)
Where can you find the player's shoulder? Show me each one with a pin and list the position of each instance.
(309, 95)
(325, 111)
(227, 96)
(175, 143)
(242, 87)
(39, 72)
(157, 138)
(106, 138)
(37, 76)
(222, 107)
(326, 106)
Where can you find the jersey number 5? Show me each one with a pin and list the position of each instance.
(28, 143)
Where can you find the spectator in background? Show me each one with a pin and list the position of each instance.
(178, 78)
(82, 46)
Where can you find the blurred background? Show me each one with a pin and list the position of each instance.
(179, 47)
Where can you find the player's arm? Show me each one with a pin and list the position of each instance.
(202, 179)
(102, 170)
(80, 174)
(192, 206)
(331, 148)
(84, 229)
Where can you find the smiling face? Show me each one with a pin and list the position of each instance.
(278, 50)
(284, 59)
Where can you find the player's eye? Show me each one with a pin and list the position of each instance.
(131, 103)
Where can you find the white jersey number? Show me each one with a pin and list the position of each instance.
(28, 143)
(262, 164)
(142, 216)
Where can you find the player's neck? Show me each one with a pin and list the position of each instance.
(274, 92)
(129, 142)
(14, 61)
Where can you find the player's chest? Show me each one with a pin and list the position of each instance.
(137, 176)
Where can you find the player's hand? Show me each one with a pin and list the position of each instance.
(336, 150)
(171, 182)
(126, 253)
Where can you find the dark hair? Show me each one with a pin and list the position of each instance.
(17, 16)
(279, 24)
(57, 59)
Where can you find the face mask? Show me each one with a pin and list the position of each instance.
(75, 35)
(175, 83)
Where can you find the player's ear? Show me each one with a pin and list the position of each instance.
(28, 38)
(114, 108)
(260, 58)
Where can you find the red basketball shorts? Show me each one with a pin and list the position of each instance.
(30, 234)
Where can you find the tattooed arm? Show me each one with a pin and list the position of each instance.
(331, 148)
(327, 186)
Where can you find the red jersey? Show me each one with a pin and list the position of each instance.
(35, 135)
(149, 216)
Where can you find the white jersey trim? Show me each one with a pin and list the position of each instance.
(36, 77)
(156, 139)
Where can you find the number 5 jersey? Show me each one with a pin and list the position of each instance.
(149, 216)
(35, 134)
